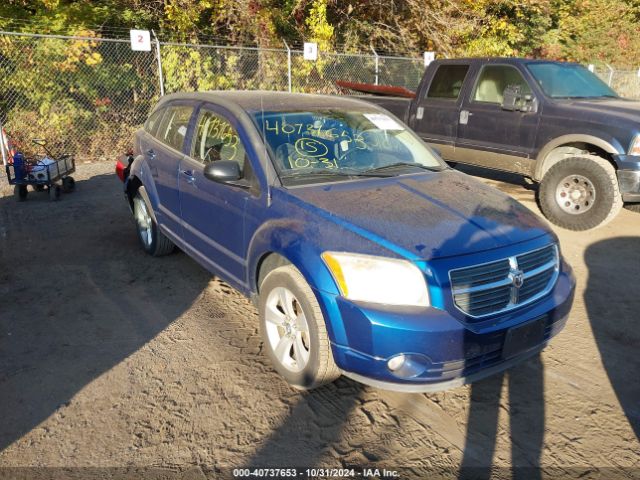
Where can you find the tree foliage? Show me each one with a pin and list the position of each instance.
(102, 90)
(583, 30)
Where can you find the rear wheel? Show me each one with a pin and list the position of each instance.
(580, 193)
(153, 241)
(293, 330)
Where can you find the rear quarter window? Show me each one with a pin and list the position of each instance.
(151, 125)
(447, 82)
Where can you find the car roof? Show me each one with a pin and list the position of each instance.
(507, 60)
(257, 100)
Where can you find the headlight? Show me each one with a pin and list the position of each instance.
(377, 279)
(634, 148)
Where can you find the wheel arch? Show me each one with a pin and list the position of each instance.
(572, 145)
(278, 243)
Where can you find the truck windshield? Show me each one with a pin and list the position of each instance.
(328, 145)
(559, 80)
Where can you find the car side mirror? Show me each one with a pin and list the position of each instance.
(223, 171)
(512, 98)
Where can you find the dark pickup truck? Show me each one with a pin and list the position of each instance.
(553, 122)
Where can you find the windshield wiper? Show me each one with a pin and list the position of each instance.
(401, 164)
(334, 173)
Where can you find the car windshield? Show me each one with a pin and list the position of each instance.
(331, 145)
(567, 80)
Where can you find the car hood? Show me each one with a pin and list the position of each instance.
(424, 216)
(621, 108)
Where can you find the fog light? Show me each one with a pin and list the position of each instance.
(408, 365)
(395, 363)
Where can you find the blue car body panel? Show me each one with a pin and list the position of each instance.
(438, 220)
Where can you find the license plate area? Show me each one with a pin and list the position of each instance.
(523, 337)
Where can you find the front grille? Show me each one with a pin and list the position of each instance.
(503, 285)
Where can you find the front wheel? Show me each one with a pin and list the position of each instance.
(153, 241)
(293, 330)
(580, 193)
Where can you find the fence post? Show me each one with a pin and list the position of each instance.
(159, 59)
(610, 74)
(288, 62)
(377, 63)
(4, 155)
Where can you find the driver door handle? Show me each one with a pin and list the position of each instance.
(189, 174)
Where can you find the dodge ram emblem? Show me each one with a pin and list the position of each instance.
(517, 278)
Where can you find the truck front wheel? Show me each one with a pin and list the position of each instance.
(580, 193)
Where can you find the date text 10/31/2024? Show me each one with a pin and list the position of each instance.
(314, 473)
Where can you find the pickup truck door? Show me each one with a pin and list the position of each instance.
(493, 137)
(435, 113)
(213, 213)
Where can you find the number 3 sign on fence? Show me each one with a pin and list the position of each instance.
(140, 40)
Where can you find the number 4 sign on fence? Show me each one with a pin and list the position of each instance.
(140, 40)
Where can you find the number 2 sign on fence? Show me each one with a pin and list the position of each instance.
(140, 40)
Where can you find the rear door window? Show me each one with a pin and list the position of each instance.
(494, 79)
(173, 128)
(447, 82)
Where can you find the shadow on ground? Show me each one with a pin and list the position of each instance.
(82, 247)
(614, 312)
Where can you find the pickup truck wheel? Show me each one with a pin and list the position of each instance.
(580, 193)
(293, 330)
(153, 241)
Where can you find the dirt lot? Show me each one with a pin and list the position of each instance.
(110, 358)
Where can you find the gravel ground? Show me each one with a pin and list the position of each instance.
(110, 358)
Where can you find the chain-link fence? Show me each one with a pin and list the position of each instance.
(87, 95)
(83, 95)
(625, 82)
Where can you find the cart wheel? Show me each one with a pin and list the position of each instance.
(54, 192)
(68, 184)
(21, 192)
(38, 188)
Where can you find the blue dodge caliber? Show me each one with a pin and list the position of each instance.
(364, 253)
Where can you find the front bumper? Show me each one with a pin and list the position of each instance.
(454, 353)
(629, 177)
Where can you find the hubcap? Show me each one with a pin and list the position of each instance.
(575, 194)
(143, 220)
(287, 329)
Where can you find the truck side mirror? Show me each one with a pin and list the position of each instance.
(512, 98)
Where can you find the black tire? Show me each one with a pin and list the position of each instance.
(54, 193)
(38, 187)
(153, 241)
(68, 184)
(600, 201)
(634, 207)
(320, 368)
(21, 192)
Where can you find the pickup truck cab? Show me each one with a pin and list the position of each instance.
(554, 122)
(365, 254)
